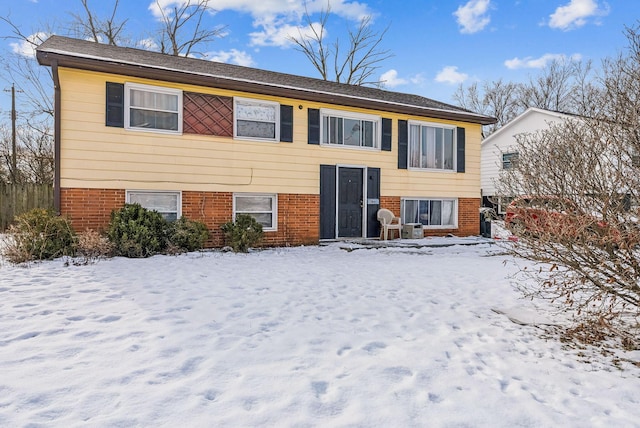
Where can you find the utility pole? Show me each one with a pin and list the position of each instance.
(14, 159)
(13, 133)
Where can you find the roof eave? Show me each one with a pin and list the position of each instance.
(177, 76)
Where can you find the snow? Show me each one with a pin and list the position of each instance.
(417, 333)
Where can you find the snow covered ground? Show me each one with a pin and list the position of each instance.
(343, 335)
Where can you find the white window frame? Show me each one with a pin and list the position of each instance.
(178, 195)
(156, 89)
(252, 101)
(273, 212)
(432, 125)
(424, 226)
(377, 133)
(508, 159)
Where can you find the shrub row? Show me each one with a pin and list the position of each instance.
(133, 231)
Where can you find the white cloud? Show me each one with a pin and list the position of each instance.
(275, 20)
(276, 33)
(390, 79)
(473, 17)
(164, 7)
(27, 47)
(450, 74)
(149, 45)
(575, 14)
(277, 8)
(233, 56)
(529, 62)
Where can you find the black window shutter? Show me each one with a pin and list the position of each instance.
(386, 134)
(314, 126)
(115, 105)
(403, 143)
(460, 149)
(373, 202)
(286, 123)
(327, 201)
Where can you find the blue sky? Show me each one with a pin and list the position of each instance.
(436, 45)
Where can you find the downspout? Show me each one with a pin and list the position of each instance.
(56, 136)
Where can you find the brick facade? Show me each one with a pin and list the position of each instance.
(90, 208)
(298, 222)
(298, 215)
(468, 216)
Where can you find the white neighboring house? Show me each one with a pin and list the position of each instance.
(498, 150)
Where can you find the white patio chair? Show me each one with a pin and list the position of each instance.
(388, 221)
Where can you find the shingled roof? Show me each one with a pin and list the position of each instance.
(81, 54)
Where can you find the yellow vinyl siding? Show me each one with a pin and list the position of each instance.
(97, 156)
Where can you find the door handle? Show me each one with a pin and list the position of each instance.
(361, 203)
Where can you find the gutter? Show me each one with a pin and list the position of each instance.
(56, 136)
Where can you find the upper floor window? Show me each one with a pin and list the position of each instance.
(350, 129)
(151, 107)
(255, 119)
(509, 159)
(431, 146)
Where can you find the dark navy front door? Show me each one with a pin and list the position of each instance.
(350, 202)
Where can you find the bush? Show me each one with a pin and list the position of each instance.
(92, 246)
(188, 235)
(245, 232)
(135, 231)
(40, 234)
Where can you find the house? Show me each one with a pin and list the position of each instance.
(498, 150)
(309, 159)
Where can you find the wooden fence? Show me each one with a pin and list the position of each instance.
(16, 199)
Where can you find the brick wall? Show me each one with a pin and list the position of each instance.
(90, 208)
(212, 208)
(298, 222)
(298, 215)
(468, 216)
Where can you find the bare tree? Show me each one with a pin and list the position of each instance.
(34, 163)
(497, 99)
(357, 64)
(552, 88)
(580, 219)
(182, 30)
(33, 82)
(564, 86)
(100, 30)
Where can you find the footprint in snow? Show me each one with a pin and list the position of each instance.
(110, 318)
(343, 350)
(319, 388)
(211, 394)
(373, 347)
(397, 374)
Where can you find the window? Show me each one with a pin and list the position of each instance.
(430, 212)
(509, 159)
(350, 129)
(263, 208)
(168, 204)
(635, 157)
(151, 107)
(431, 146)
(256, 119)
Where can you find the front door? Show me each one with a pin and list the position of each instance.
(350, 202)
